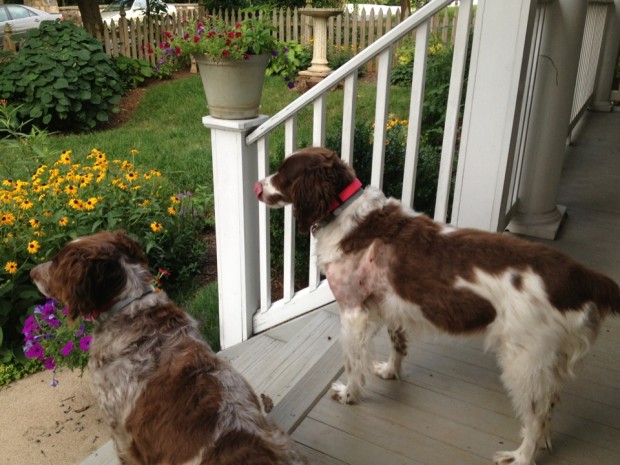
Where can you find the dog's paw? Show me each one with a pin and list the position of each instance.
(343, 394)
(510, 458)
(385, 370)
(545, 442)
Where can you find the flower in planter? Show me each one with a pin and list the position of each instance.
(214, 37)
(57, 342)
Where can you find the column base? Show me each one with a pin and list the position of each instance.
(308, 79)
(543, 225)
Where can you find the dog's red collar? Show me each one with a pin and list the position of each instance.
(346, 194)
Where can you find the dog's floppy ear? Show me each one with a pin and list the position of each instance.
(312, 195)
(89, 273)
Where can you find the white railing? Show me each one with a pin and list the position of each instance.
(317, 292)
(590, 57)
(505, 121)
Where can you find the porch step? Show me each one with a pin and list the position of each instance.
(293, 364)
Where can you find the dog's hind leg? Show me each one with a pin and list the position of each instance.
(356, 336)
(391, 368)
(533, 386)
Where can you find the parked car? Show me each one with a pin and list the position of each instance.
(134, 9)
(23, 18)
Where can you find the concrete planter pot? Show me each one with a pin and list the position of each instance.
(233, 87)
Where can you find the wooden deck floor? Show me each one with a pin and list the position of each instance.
(450, 407)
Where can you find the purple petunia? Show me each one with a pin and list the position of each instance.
(85, 343)
(49, 363)
(67, 349)
(35, 351)
(31, 327)
(80, 331)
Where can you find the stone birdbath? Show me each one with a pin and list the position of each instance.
(318, 69)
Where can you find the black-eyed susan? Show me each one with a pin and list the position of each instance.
(7, 182)
(65, 158)
(64, 221)
(90, 203)
(34, 223)
(134, 152)
(33, 247)
(131, 176)
(172, 211)
(76, 204)
(174, 199)
(7, 219)
(26, 204)
(156, 227)
(10, 267)
(71, 190)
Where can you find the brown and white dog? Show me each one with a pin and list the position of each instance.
(388, 265)
(167, 397)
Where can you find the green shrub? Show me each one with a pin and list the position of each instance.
(13, 371)
(76, 196)
(63, 79)
(396, 139)
(289, 60)
(133, 72)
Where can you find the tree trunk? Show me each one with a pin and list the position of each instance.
(405, 9)
(91, 16)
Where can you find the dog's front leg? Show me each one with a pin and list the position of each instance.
(357, 331)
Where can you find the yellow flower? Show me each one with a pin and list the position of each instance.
(7, 182)
(10, 267)
(156, 227)
(48, 214)
(134, 152)
(132, 176)
(34, 223)
(173, 199)
(33, 247)
(172, 211)
(7, 219)
(100, 177)
(76, 204)
(90, 203)
(145, 203)
(71, 190)
(26, 205)
(65, 158)
(64, 221)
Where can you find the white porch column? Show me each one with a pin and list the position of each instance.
(537, 213)
(609, 56)
(499, 59)
(235, 169)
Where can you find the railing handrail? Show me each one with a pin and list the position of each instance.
(385, 42)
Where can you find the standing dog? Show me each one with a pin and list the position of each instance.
(388, 265)
(167, 397)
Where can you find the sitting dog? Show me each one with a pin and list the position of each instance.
(388, 265)
(167, 397)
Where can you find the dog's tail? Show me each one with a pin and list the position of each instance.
(604, 291)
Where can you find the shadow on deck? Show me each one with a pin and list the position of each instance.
(450, 407)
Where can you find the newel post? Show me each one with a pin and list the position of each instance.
(235, 170)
